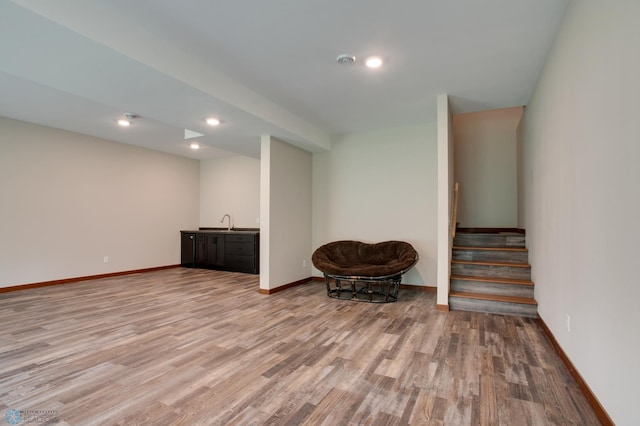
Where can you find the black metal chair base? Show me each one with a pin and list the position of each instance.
(363, 289)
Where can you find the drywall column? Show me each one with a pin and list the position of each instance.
(265, 210)
(445, 186)
(285, 212)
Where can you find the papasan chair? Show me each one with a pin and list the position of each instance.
(372, 272)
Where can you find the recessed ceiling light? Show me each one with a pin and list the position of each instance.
(373, 61)
(124, 123)
(213, 121)
(195, 146)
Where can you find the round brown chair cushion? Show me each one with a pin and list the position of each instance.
(355, 258)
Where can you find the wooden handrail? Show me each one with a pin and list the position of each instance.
(454, 213)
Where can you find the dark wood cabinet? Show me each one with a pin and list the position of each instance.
(201, 250)
(236, 251)
(188, 249)
(241, 252)
(209, 250)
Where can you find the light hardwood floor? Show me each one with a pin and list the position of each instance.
(198, 347)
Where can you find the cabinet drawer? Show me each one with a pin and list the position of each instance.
(233, 248)
(239, 262)
(240, 238)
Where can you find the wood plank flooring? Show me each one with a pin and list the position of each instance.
(198, 347)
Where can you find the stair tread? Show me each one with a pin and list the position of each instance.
(490, 231)
(494, 297)
(517, 249)
(485, 263)
(516, 281)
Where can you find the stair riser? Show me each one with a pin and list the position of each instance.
(482, 287)
(491, 271)
(492, 307)
(489, 240)
(491, 255)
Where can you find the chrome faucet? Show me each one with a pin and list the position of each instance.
(222, 221)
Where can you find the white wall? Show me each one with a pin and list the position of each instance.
(485, 152)
(285, 206)
(378, 186)
(230, 185)
(68, 200)
(582, 199)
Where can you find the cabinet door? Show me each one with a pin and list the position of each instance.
(188, 248)
(201, 250)
(215, 250)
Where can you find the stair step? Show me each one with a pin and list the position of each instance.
(517, 249)
(490, 263)
(496, 304)
(503, 239)
(521, 271)
(501, 230)
(497, 254)
(495, 297)
(496, 286)
(514, 281)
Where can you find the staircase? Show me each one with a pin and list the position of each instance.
(490, 273)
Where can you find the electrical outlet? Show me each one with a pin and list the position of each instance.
(568, 323)
(106, 259)
(257, 220)
(304, 263)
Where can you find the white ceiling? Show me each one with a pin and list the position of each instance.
(263, 66)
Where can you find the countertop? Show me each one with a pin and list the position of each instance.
(225, 231)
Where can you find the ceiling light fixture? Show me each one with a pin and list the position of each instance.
(213, 121)
(195, 146)
(373, 61)
(125, 122)
(346, 59)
